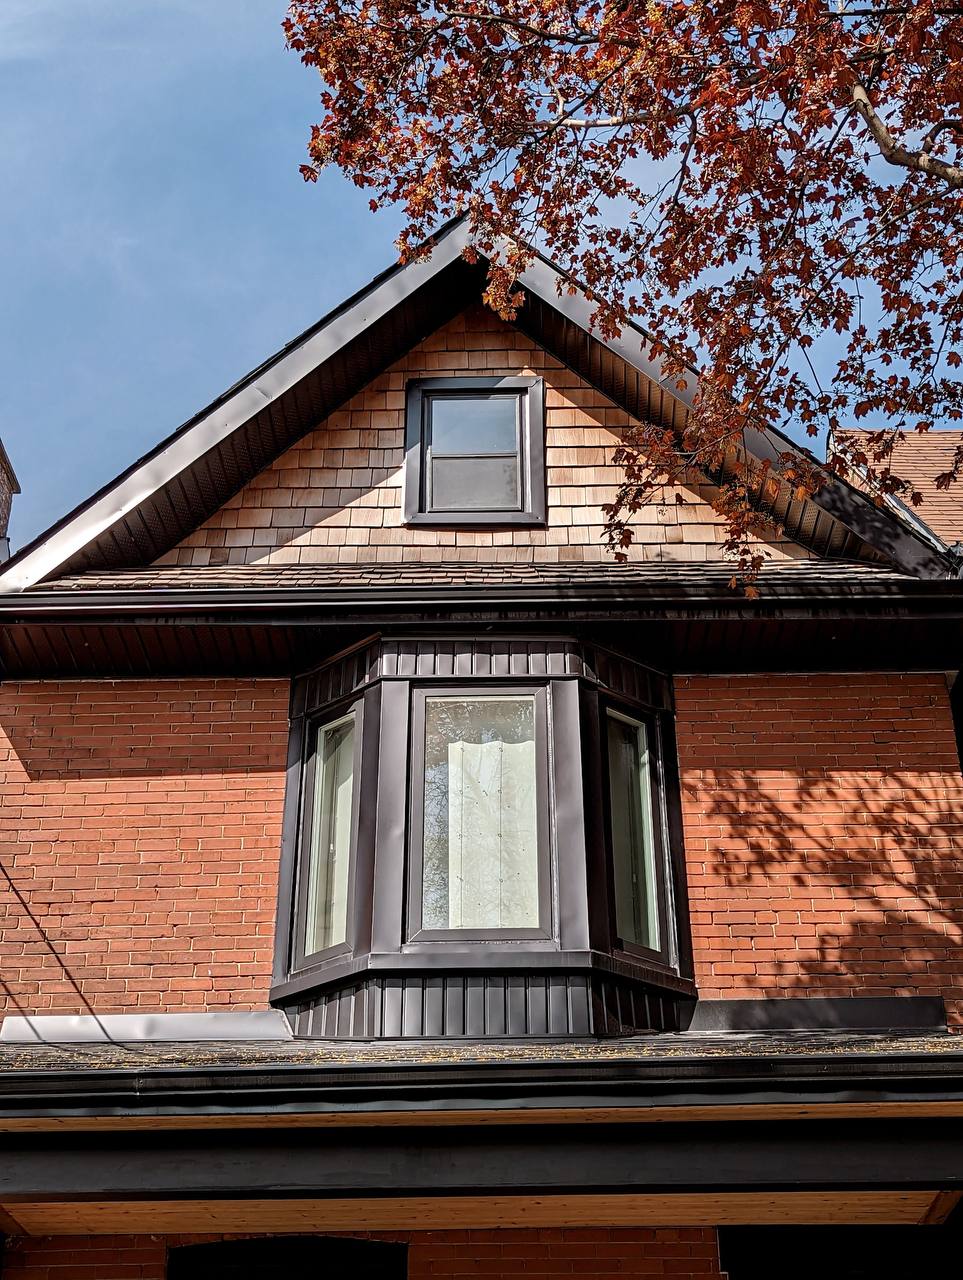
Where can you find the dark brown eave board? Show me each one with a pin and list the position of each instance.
(223, 1164)
(124, 639)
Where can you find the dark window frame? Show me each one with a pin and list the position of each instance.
(531, 452)
(675, 950)
(635, 714)
(302, 960)
(414, 931)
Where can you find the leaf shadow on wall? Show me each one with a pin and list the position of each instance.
(824, 881)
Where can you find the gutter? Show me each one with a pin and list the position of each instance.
(156, 602)
(686, 1080)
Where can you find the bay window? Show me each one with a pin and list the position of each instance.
(638, 892)
(481, 839)
(329, 836)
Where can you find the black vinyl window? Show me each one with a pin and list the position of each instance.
(475, 451)
(489, 807)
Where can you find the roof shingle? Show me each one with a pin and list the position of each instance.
(786, 573)
(919, 458)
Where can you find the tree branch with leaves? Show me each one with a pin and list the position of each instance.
(772, 191)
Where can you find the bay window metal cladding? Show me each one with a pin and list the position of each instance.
(482, 839)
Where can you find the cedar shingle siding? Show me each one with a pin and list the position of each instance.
(336, 496)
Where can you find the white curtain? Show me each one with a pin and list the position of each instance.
(492, 837)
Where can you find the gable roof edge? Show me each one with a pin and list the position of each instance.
(897, 534)
(223, 416)
(905, 543)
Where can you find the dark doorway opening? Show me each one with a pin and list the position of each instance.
(312, 1257)
(842, 1253)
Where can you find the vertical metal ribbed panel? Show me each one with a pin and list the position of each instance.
(474, 1006)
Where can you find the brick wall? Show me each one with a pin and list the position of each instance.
(84, 1258)
(336, 495)
(140, 832)
(689, 1254)
(824, 835)
(683, 1254)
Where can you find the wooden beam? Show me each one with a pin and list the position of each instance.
(942, 1206)
(460, 1212)
(9, 1226)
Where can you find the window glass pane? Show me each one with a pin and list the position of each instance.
(474, 484)
(481, 840)
(474, 424)
(327, 906)
(633, 850)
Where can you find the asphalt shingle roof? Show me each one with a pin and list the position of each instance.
(715, 575)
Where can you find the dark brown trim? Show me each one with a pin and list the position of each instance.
(823, 1013)
(896, 1154)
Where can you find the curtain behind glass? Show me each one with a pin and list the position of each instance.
(481, 838)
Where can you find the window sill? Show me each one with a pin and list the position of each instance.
(481, 519)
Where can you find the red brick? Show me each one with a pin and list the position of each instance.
(147, 859)
(853, 836)
(685, 1254)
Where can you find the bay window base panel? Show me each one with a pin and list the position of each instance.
(482, 1006)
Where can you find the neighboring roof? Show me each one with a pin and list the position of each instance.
(174, 488)
(920, 457)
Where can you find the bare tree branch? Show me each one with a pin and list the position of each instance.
(894, 152)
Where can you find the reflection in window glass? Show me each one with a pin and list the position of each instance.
(480, 826)
(327, 904)
(633, 850)
(474, 424)
(470, 484)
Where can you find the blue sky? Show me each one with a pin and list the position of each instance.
(157, 238)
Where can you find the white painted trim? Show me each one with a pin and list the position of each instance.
(126, 1028)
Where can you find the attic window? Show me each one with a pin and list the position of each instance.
(474, 451)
